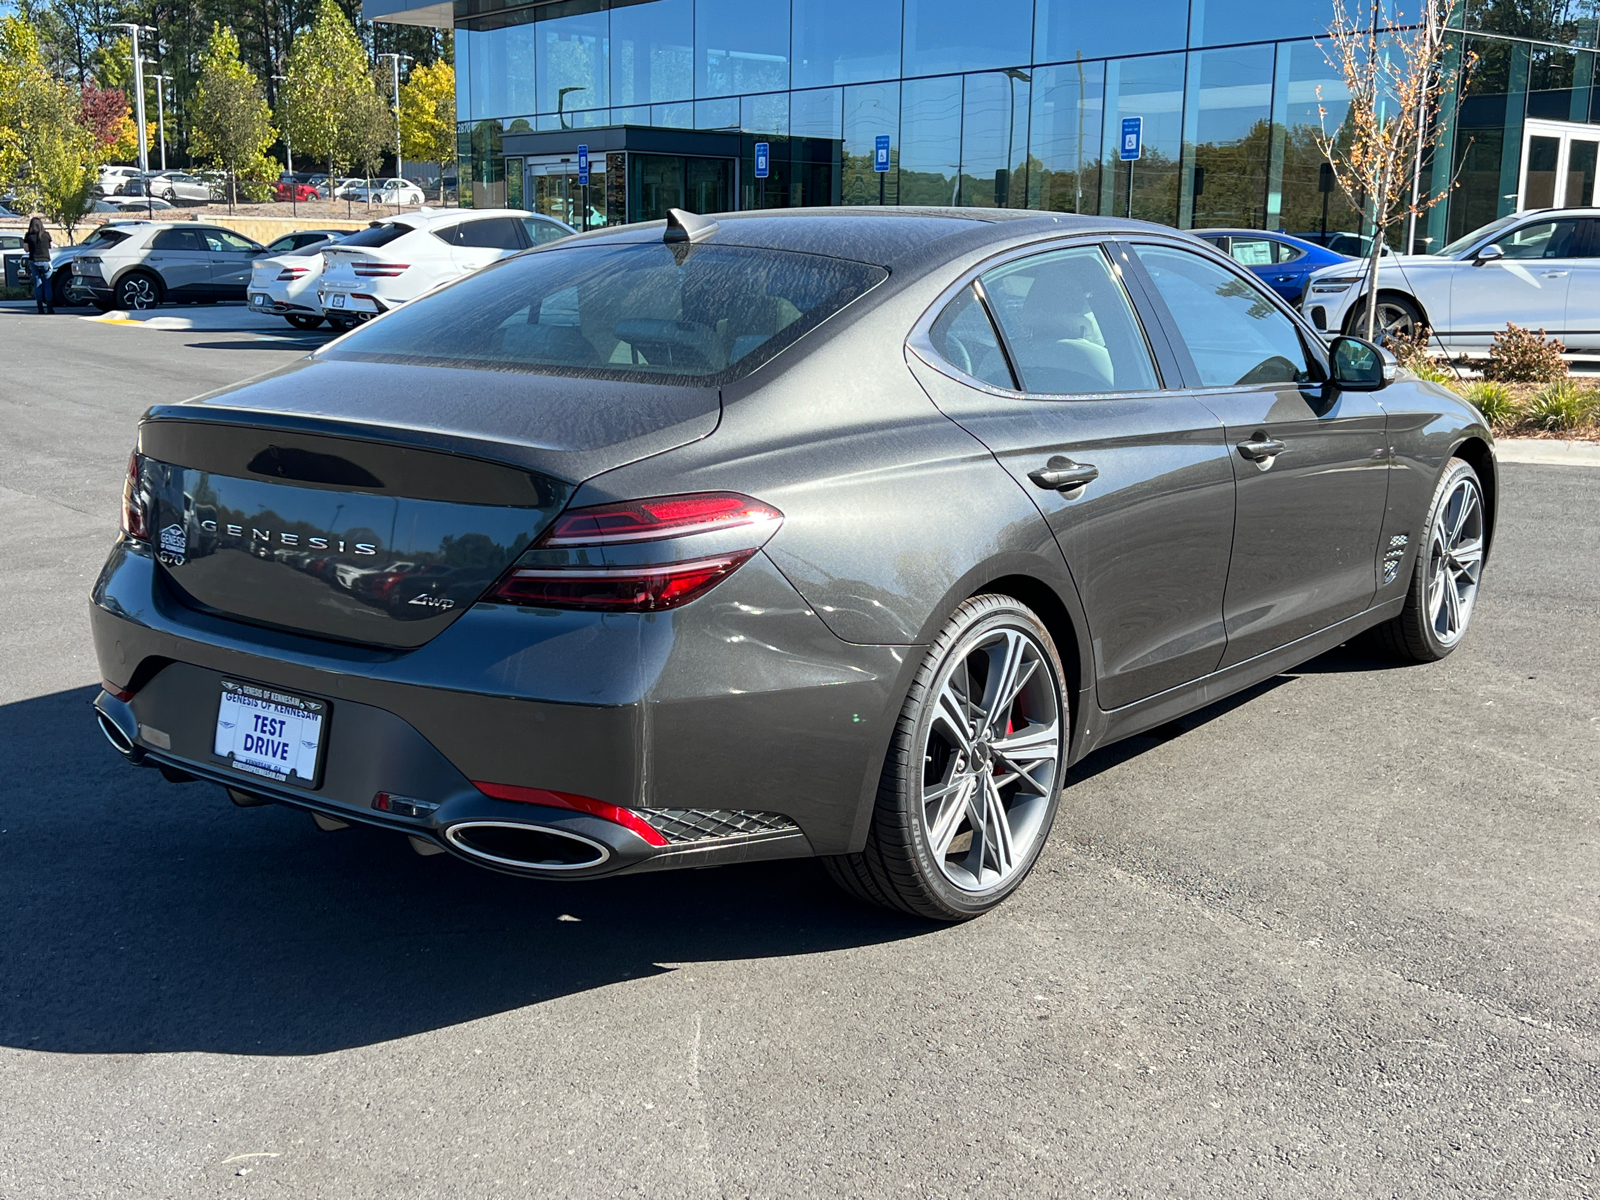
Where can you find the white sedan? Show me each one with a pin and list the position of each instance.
(388, 191)
(1540, 270)
(286, 283)
(388, 263)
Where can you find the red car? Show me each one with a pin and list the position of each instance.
(297, 191)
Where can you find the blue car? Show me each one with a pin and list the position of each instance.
(1283, 262)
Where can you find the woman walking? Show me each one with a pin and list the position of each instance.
(37, 240)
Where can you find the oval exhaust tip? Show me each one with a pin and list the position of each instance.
(120, 741)
(527, 847)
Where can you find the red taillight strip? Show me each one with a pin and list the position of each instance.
(649, 588)
(625, 817)
(379, 269)
(662, 517)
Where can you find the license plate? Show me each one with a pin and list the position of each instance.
(265, 732)
(338, 301)
(258, 301)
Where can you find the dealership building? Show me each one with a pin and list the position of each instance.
(715, 105)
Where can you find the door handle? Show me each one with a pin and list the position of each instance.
(1261, 449)
(1062, 474)
(1554, 274)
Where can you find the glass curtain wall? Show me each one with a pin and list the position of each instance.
(1014, 102)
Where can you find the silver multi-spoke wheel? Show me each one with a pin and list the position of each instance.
(1451, 547)
(974, 769)
(991, 757)
(1455, 560)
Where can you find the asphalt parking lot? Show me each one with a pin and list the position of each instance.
(1339, 936)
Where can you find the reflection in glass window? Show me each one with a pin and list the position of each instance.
(489, 80)
(870, 109)
(845, 41)
(765, 114)
(816, 114)
(1071, 29)
(1218, 22)
(1068, 105)
(1547, 239)
(1229, 135)
(1305, 84)
(652, 52)
(464, 74)
(572, 72)
(1235, 335)
(1481, 135)
(741, 47)
(956, 35)
(930, 136)
(1069, 326)
(966, 340)
(994, 140)
(717, 114)
(1151, 88)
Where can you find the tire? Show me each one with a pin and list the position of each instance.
(58, 289)
(303, 322)
(1398, 316)
(138, 290)
(960, 818)
(1447, 574)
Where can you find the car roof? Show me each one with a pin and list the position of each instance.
(896, 238)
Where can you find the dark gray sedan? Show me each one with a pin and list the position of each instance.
(836, 533)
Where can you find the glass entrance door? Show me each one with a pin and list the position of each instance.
(1558, 165)
(552, 188)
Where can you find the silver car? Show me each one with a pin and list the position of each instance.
(171, 185)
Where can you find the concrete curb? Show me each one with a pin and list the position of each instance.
(1549, 452)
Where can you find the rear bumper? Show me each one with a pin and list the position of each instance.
(81, 288)
(741, 703)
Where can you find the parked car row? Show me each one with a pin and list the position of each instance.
(307, 277)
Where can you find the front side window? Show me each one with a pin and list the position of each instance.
(1235, 334)
(965, 338)
(1069, 326)
(1546, 239)
(644, 311)
(220, 241)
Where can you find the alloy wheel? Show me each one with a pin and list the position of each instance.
(137, 293)
(1394, 321)
(991, 757)
(1455, 560)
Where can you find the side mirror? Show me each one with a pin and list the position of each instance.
(1488, 254)
(1359, 366)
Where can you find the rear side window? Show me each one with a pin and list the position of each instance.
(491, 233)
(1251, 252)
(646, 311)
(965, 338)
(377, 235)
(1069, 325)
(177, 239)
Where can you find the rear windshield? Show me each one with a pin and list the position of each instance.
(105, 237)
(377, 235)
(641, 311)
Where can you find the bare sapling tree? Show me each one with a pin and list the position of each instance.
(1399, 88)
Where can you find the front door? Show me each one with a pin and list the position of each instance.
(231, 259)
(1311, 465)
(1132, 476)
(1528, 285)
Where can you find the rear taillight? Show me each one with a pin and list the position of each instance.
(734, 527)
(379, 270)
(133, 501)
(289, 274)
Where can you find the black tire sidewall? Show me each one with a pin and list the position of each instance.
(979, 615)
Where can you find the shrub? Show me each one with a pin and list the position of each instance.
(1562, 405)
(1522, 356)
(1495, 401)
(1412, 352)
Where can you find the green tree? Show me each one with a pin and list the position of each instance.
(428, 117)
(232, 125)
(46, 152)
(328, 80)
(368, 131)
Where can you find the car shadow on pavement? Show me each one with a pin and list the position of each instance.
(145, 916)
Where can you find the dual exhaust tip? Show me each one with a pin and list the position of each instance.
(503, 843)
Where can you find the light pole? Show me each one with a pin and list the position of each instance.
(1013, 75)
(161, 113)
(288, 153)
(399, 163)
(138, 90)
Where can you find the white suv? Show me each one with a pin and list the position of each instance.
(164, 260)
(394, 261)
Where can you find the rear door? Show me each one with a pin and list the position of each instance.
(1131, 474)
(1311, 463)
(1583, 289)
(182, 259)
(478, 243)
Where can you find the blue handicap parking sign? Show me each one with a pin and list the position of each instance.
(1132, 138)
(880, 153)
(763, 160)
(583, 166)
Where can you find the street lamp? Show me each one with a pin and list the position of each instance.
(1013, 75)
(161, 113)
(399, 163)
(138, 90)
